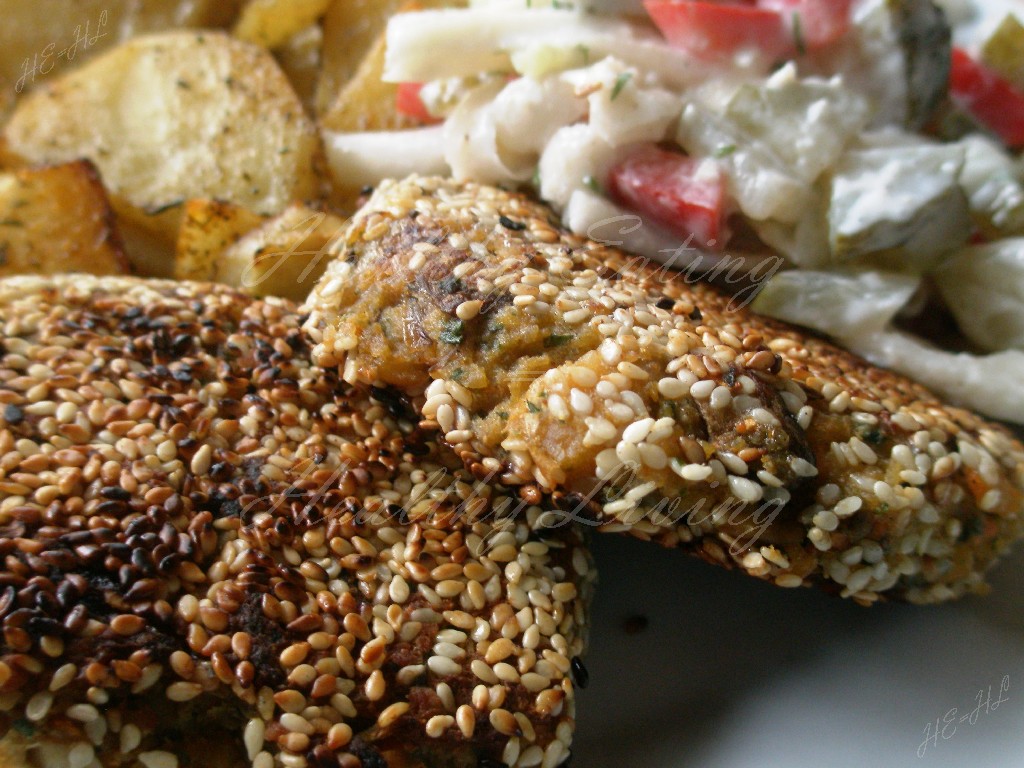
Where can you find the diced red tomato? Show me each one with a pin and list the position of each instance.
(712, 30)
(775, 28)
(988, 97)
(817, 22)
(409, 103)
(674, 191)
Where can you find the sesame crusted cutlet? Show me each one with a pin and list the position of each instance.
(648, 405)
(215, 554)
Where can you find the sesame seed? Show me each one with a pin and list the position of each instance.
(702, 390)
(468, 310)
(744, 489)
(720, 398)
(157, 759)
(443, 666)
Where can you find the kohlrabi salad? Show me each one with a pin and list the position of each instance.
(854, 160)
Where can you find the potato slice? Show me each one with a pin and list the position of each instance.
(57, 219)
(208, 227)
(177, 116)
(43, 40)
(271, 22)
(172, 117)
(351, 31)
(367, 103)
(285, 256)
(300, 60)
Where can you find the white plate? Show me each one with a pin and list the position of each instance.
(731, 672)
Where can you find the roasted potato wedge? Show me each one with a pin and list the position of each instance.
(300, 59)
(57, 219)
(177, 116)
(208, 227)
(43, 40)
(284, 256)
(367, 103)
(351, 31)
(271, 23)
(172, 117)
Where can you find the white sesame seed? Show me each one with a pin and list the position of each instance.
(764, 416)
(848, 506)
(653, 456)
(864, 452)
(38, 707)
(638, 431)
(744, 489)
(721, 398)
(610, 352)
(558, 407)
(858, 580)
(158, 759)
(733, 463)
(702, 389)
(695, 472)
(802, 467)
(467, 310)
(820, 539)
(580, 401)
(443, 666)
(129, 738)
(673, 389)
(826, 520)
(84, 713)
(81, 755)
(602, 429)
(582, 376)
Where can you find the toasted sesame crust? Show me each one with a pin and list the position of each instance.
(205, 536)
(667, 410)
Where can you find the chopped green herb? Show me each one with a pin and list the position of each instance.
(453, 333)
(11, 223)
(725, 150)
(535, 179)
(533, 408)
(591, 182)
(495, 328)
(584, 52)
(24, 727)
(557, 340)
(503, 414)
(620, 83)
(798, 34)
(450, 284)
(560, 5)
(457, 374)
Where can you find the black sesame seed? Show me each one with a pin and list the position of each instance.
(515, 226)
(13, 414)
(579, 672)
(116, 493)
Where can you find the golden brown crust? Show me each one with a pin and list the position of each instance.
(201, 531)
(658, 407)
